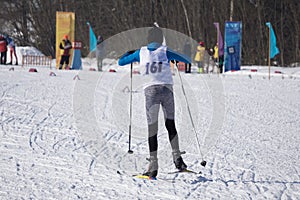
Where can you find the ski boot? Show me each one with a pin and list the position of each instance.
(178, 161)
(152, 168)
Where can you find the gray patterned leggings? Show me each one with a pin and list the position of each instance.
(157, 95)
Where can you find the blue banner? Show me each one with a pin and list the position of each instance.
(77, 63)
(273, 48)
(233, 46)
(93, 40)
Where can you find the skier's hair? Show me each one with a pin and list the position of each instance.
(155, 34)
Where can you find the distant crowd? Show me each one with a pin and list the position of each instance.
(7, 44)
(202, 57)
(205, 58)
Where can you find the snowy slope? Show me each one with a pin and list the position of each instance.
(66, 139)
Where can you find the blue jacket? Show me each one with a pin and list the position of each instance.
(135, 56)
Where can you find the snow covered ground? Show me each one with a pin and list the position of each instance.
(66, 139)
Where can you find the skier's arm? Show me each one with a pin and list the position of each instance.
(129, 57)
(172, 55)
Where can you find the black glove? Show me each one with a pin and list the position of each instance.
(130, 52)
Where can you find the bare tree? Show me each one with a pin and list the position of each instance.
(32, 22)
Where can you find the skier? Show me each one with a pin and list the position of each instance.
(155, 63)
(65, 47)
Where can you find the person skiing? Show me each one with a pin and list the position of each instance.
(65, 47)
(158, 88)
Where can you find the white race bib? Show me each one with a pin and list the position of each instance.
(155, 66)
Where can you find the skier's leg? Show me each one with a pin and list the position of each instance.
(152, 110)
(173, 136)
(169, 110)
(152, 139)
(152, 134)
(169, 115)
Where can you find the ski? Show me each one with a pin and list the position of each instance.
(184, 171)
(141, 176)
(137, 175)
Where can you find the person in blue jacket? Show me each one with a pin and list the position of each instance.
(154, 62)
(12, 49)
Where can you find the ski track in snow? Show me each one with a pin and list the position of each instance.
(66, 139)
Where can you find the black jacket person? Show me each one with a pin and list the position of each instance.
(65, 47)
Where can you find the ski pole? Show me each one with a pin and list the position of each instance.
(130, 111)
(203, 162)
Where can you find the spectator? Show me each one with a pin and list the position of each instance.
(218, 58)
(216, 54)
(221, 61)
(99, 52)
(187, 52)
(12, 49)
(199, 57)
(65, 47)
(3, 49)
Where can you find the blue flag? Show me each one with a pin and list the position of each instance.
(93, 40)
(273, 48)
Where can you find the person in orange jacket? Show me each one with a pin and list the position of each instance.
(65, 47)
(3, 49)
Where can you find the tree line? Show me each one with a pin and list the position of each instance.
(32, 22)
